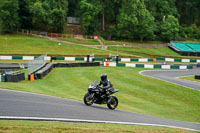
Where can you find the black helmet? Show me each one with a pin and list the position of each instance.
(103, 77)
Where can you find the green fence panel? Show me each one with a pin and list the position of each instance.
(121, 64)
(79, 58)
(160, 58)
(17, 57)
(189, 67)
(177, 60)
(157, 66)
(150, 60)
(60, 58)
(140, 65)
(174, 67)
(135, 60)
(192, 60)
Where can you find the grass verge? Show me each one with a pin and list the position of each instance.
(44, 127)
(133, 42)
(190, 78)
(149, 51)
(137, 93)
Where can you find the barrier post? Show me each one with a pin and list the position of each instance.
(88, 58)
(32, 78)
(117, 59)
(107, 62)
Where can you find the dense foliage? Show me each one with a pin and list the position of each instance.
(122, 19)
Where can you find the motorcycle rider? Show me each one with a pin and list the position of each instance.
(106, 85)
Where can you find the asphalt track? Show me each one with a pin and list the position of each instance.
(29, 106)
(173, 76)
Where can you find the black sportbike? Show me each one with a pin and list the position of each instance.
(94, 95)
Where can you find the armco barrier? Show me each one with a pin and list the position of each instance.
(14, 77)
(41, 73)
(148, 65)
(102, 59)
(44, 71)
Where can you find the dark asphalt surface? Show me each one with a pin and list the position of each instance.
(172, 76)
(23, 104)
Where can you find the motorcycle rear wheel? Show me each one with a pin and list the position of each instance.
(88, 100)
(113, 103)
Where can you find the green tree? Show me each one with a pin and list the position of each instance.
(9, 16)
(90, 10)
(161, 8)
(25, 16)
(58, 20)
(40, 15)
(135, 21)
(189, 11)
(169, 28)
(49, 15)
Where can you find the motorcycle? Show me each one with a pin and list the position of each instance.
(95, 95)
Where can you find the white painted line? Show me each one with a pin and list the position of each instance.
(37, 94)
(88, 121)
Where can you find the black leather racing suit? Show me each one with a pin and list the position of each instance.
(107, 86)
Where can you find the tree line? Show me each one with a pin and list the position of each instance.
(119, 19)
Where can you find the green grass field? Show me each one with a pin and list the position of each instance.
(133, 42)
(24, 45)
(137, 93)
(60, 127)
(86, 41)
(149, 51)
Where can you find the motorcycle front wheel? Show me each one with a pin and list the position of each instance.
(113, 103)
(88, 99)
